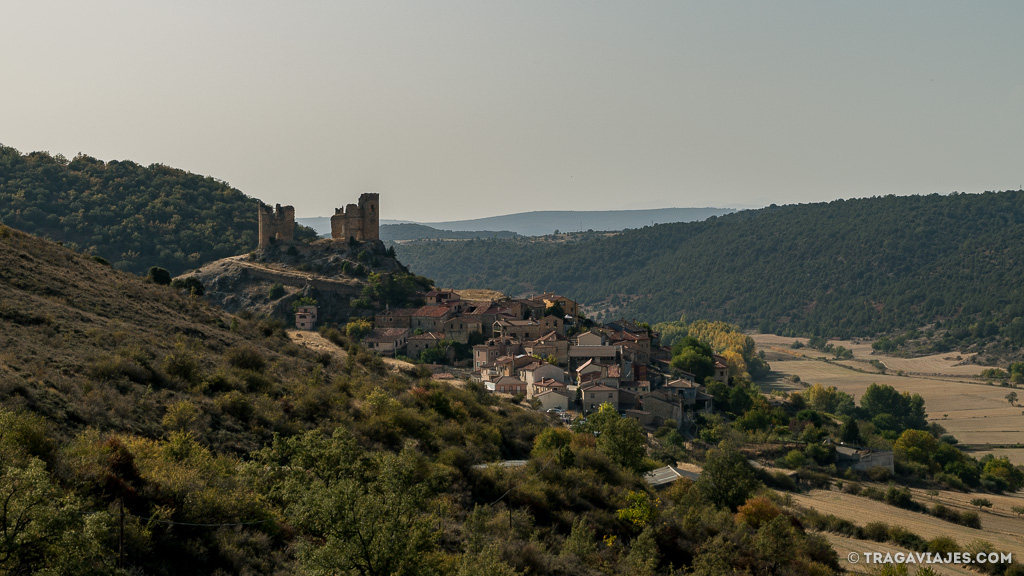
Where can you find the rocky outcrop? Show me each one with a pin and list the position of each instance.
(331, 272)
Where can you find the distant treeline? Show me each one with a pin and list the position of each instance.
(844, 268)
(134, 216)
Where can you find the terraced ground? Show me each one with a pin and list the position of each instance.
(845, 546)
(977, 413)
(1000, 527)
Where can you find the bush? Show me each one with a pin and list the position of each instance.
(276, 291)
(877, 531)
(852, 488)
(879, 474)
(873, 493)
(950, 481)
(900, 497)
(943, 545)
(246, 358)
(981, 502)
(191, 284)
(335, 336)
(902, 537)
(970, 519)
(158, 275)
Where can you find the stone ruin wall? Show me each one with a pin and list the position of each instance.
(360, 221)
(276, 225)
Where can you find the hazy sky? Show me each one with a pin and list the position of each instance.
(468, 109)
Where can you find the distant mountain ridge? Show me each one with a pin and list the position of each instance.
(541, 222)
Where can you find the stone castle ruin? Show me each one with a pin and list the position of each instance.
(277, 225)
(357, 221)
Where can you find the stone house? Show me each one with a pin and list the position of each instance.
(510, 385)
(460, 327)
(305, 317)
(386, 341)
(545, 385)
(526, 329)
(635, 386)
(550, 344)
(864, 459)
(553, 399)
(430, 318)
(437, 297)
(494, 348)
(662, 405)
(537, 370)
(487, 316)
(591, 338)
(417, 343)
(550, 299)
(721, 369)
(601, 354)
(394, 318)
(594, 396)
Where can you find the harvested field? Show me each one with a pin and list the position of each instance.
(1015, 455)
(1005, 533)
(844, 546)
(970, 409)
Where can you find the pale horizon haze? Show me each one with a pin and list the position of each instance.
(466, 109)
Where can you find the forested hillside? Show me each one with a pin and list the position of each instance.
(844, 268)
(134, 216)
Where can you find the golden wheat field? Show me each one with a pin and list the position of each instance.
(976, 413)
(844, 546)
(1002, 531)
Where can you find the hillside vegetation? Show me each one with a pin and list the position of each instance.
(222, 447)
(134, 216)
(844, 268)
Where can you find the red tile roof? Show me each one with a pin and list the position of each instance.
(432, 311)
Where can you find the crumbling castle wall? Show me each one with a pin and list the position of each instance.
(276, 225)
(360, 221)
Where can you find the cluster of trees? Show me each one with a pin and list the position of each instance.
(692, 345)
(398, 289)
(135, 216)
(839, 269)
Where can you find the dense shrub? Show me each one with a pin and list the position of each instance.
(246, 358)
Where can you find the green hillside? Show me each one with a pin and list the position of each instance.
(144, 432)
(844, 268)
(134, 216)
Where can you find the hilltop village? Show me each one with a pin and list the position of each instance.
(539, 348)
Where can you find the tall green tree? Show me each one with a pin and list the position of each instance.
(727, 479)
(358, 514)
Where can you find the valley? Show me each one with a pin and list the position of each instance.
(967, 406)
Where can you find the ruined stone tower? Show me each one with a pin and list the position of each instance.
(360, 221)
(276, 225)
